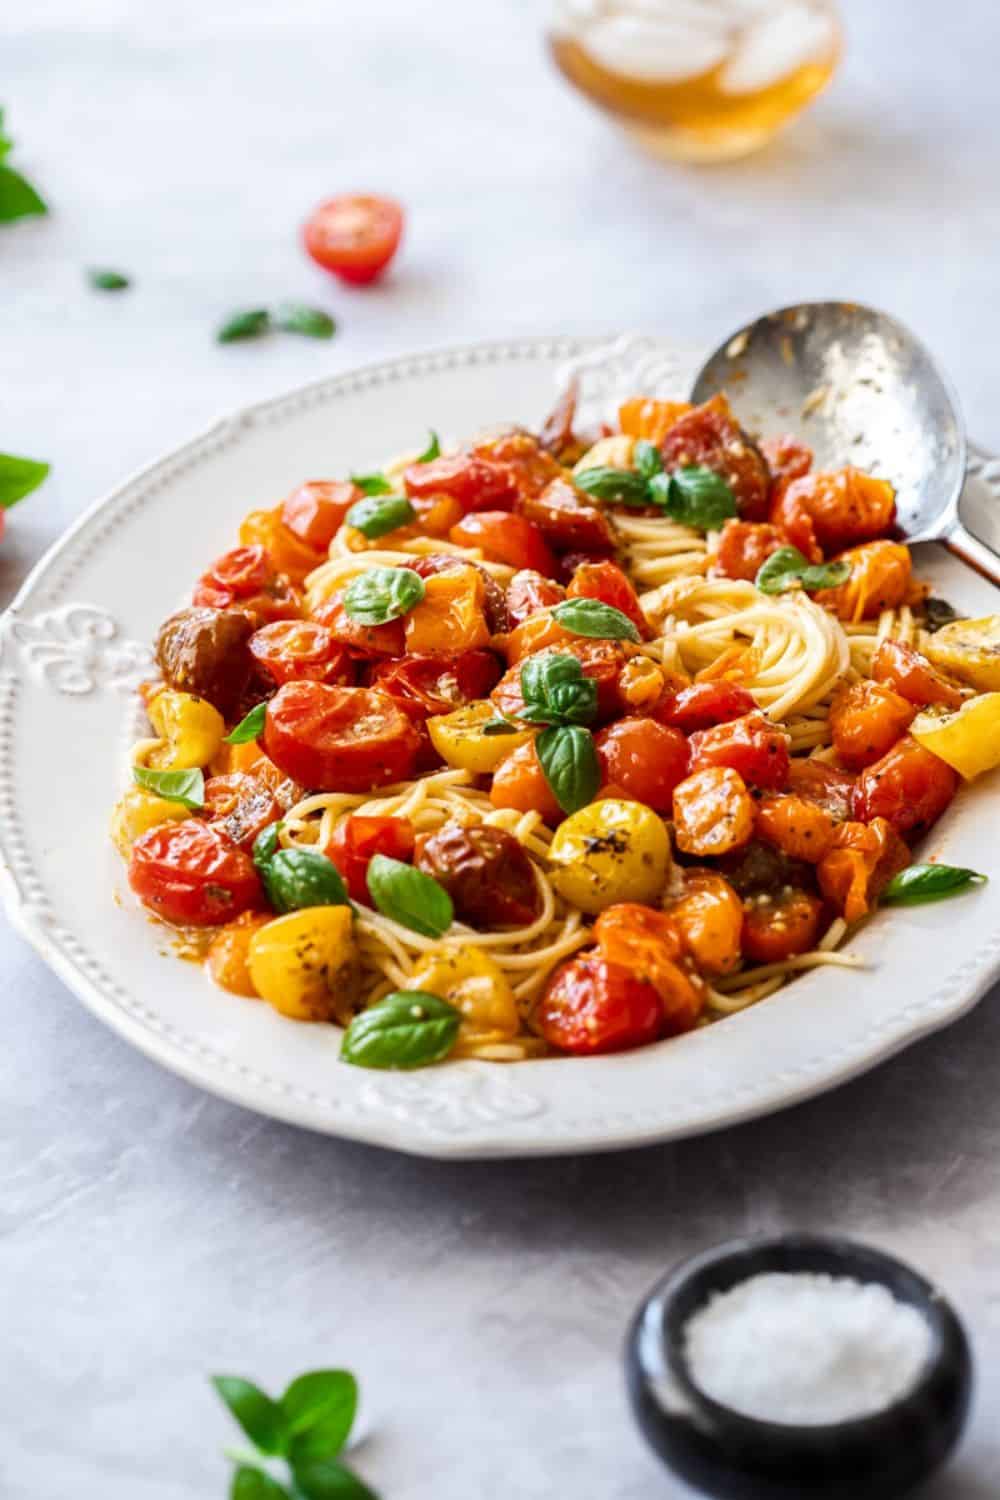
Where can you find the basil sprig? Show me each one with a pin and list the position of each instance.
(918, 883)
(296, 878)
(787, 567)
(18, 477)
(382, 594)
(433, 449)
(614, 486)
(408, 896)
(568, 757)
(372, 484)
(591, 617)
(108, 281)
(408, 1029)
(251, 323)
(297, 317)
(251, 727)
(377, 515)
(693, 495)
(555, 690)
(185, 787)
(647, 459)
(18, 199)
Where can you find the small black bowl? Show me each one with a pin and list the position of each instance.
(735, 1457)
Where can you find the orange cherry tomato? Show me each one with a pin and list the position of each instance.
(315, 511)
(796, 825)
(881, 577)
(505, 538)
(476, 483)
(651, 420)
(751, 745)
(710, 436)
(713, 812)
(451, 616)
(358, 838)
(228, 954)
(866, 720)
(709, 917)
(779, 926)
(910, 787)
(364, 641)
(425, 685)
(529, 592)
(287, 552)
(566, 521)
(602, 661)
(643, 760)
(191, 874)
(787, 459)
(436, 515)
(647, 943)
(861, 861)
(535, 634)
(744, 546)
(339, 739)
(591, 1006)
(604, 580)
(826, 511)
(911, 675)
(825, 785)
(293, 650)
(519, 782)
(705, 704)
(355, 235)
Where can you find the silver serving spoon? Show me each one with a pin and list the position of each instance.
(860, 389)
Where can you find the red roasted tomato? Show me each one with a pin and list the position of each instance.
(191, 874)
(246, 578)
(825, 785)
(363, 641)
(787, 459)
(591, 1006)
(831, 510)
(529, 592)
(521, 453)
(642, 759)
(705, 704)
(505, 538)
(476, 483)
(357, 839)
(602, 661)
(355, 236)
(296, 650)
(425, 685)
(744, 547)
(779, 925)
(605, 581)
(339, 739)
(315, 511)
(910, 787)
(751, 745)
(911, 675)
(709, 435)
(240, 805)
(566, 521)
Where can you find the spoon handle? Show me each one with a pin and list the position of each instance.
(961, 543)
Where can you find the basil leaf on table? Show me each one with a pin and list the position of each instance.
(647, 459)
(613, 486)
(18, 477)
(432, 451)
(296, 878)
(569, 760)
(18, 199)
(555, 691)
(786, 567)
(918, 883)
(372, 484)
(257, 1414)
(108, 281)
(249, 728)
(185, 787)
(694, 496)
(251, 324)
(408, 896)
(318, 1411)
(382, 594)
(592, 617)
(378, 515)
(326, 1479)
(297, 317)
(253, 1484)
(408, 1029)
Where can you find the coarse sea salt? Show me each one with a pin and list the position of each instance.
(806, 1348)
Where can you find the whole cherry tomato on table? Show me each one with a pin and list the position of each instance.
(592, 1006)
(315, 511)
(357, 839)
(339, 739)
(240, 805)
(190, 874)
(355, 235)
(296, 650)
(505, 538)
(425, 685)
(642, 759)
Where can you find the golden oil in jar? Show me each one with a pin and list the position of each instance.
(698, 80)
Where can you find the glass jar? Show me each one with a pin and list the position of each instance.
(698, 80)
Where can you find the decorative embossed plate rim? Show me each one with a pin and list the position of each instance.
(70, 656)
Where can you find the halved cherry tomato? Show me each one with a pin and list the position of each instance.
(591, 1006)
(505, 538)
(425, 685)
(358, 838)
(825, 785)
(476, 483)
(522, 454)
(641, 759)
(752, 745)
(566, 521)
(796, 825)
(881, 577)
(245, 577)
(494, 608)
(866, 720)
(485, 871)
(191, 874)
(705, 704)
(910, 787)
(339, 739)
(709, 917)
(602, 662)
(831, 510)
(862, 860)
(911, 675)
(648, 944)
(520, 783)
(287, 552)
(713, 812)
(436, 515)
(744, 546)
(364, 641)
(240, 806)
(535, 634)
(529, 592)
(778, 926)
(294, 650)
(355, 235)
(315, 511)
(605, 581)
(451, 616)
(710, 436)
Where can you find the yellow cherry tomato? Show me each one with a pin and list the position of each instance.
(970, 650)
(968, 738)
(471, 981)
(305, 964)
(137, 812)
(614, 452)
(459, 739)
(610, 851)
(190, 730)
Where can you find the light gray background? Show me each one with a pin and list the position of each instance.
(151, 1234)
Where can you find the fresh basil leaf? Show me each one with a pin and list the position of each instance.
(499, 726)
(919, 883)
(788, 566)
(253, 1484)
(433, 449)
(382, 594)
(555, 690)
(108, 281)
(318, 1411)
(592, 617)
(694, 496)
(295, 878)
(313, 322)
(824, 575)
(326, 1479)
(18, 477)
(569, 760)
(257, 1414)
(266, 844)
(408, 896)
(372, 484)
(18, 199)
(251, 324)
(185, 787)
(613, 486)
(647, 459)
(376, 516)
(408, 1029)
(938, 612)
(249, 728)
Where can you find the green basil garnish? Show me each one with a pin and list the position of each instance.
(408, 896)
(382, 594)
(647, 459)
(249, 728)
(591, 617)
(251, 324)
(18, 199)
(295, 878)
(408, 1029)
(251, 1483)
(372, 484)
(613, 486)
(313, 322)
(265, 845)
(432, 451)
(18, 477)
(694, 496)
(787, 567)
(378, 515)
(500, 726)
(185, 787)
(919, 883)
(555, 691)
(108, 281)
(569, 760)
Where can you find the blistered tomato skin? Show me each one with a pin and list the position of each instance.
(642, 759)
(713, 812)
(357, 839)
(316, 510)
(827, 511)
(241, 806)
(909, 786)
(861, 861)
(705, 704)
(486, 873)
(866, 720)
(592, 1006)
(709, 436)
(333, 739)
(606, 582)
(190, 874)
(520, 783)
(648, 943)
(610, 851)
(708, 914)
(566, 521)
(744, 547)
(437, 684)
(296, 650)
(780, 925)
(505, 538)
(752, 745)
(527, 593)
(911, 675)
(602, 661)
(476, 483)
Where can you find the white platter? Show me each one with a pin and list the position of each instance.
(73, 647)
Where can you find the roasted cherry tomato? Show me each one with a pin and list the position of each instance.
(591, 1005)
(910, 787)
(357, 839)
(642, 759)
(239, 574)
(288, 553)
(779, 926)
(861, 861)
(451, 616)
(240, 805)
(710, 436)
(566, 521)
(787, 459)
(363, 641)
(881, 577)
(426, 685)
(705, 704)
(751, 745)
(709, 917)
(606, 581)
(822, 784)
(796, 825)
(296, 650)
(648, 943)
(602, 661)
(355, 236)
(476, 483)
(494, 607)
(339, 739)
(912, 676)
(315, 511)
(537, 633)
(824, 512)
(191, 874)
(652, 420)
(505, 538)
(866, 720)
(520, 783)
(744, 546)
(529, 465)
(485, 871)
(529, 592)
(713, 812)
